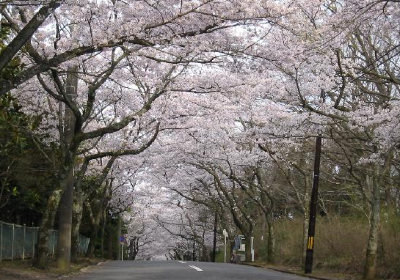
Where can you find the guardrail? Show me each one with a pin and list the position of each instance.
(18, 242)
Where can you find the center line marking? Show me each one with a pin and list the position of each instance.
(181, 262)
(195, 267)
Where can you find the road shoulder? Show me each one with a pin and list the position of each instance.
(317, 274)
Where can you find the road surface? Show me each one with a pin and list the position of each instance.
(174, 270)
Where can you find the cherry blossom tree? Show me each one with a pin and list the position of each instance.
(339, 71)
(238, 91)
(318, 83)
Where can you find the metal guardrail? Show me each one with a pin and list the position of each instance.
(18, 242)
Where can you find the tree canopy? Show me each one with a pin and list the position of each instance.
(158, 119)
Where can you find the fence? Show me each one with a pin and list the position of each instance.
(18, 242)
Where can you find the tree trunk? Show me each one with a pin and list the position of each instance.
(46, 224)
(76, 224)
(119, 232)
(271, 240)
(263, 228)
(65, 225)
(93, 241)
(95, 219)
(67, 177)
(110, 243)
(134, 248)
(103, 231)
(231, 246)
(248, 247)
(205, 254)
(372, 247)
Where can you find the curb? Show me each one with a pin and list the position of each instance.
(291, 272)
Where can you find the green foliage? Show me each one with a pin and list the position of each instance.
(13, 141)
(88, 182)
(13, 124)
(390, 238)
(12, 121)
(26, 174)
(219, 256)
(15, 65)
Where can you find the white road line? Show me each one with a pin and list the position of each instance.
(181, 262)
(195, 267)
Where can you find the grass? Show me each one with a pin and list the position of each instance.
(340, 246)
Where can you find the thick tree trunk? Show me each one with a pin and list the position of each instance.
(76, 224)
(65, 224)
(103, 232)
(372, 247)
(271, 240)
(263, 228)
(95, 219)
(133, 248)
(248, 247)
(93, 241)
(110, 243)
(46, 224)
(67, 177)
(231, 246)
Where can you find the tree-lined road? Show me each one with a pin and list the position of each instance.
(166, 270)
(184, 119)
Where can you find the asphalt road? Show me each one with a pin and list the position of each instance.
(174, 270)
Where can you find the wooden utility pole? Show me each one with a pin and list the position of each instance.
(119, 234)
(313, 208)
(215, 237)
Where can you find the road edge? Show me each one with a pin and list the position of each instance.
(82, 270)
(291, 272)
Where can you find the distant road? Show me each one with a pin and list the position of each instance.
(174, 270)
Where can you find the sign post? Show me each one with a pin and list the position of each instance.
(252, 249)
(225, 233)
(122, 241)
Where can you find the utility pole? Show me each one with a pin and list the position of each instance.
(313, 208)
(119, 234)
(194, 250)
(215, 237)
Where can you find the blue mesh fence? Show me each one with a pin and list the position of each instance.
(18, 242)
